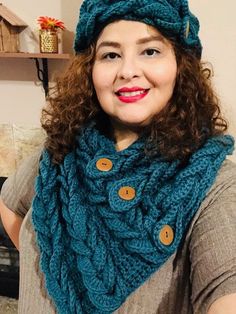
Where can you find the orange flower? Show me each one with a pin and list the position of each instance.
(50, 23)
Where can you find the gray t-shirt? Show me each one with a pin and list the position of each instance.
(202, 270)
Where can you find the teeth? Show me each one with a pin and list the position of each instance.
(128, 94)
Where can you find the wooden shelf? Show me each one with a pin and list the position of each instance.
(42, 72)
(29, 55)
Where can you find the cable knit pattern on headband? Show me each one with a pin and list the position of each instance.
(95, 247)
(172, 16)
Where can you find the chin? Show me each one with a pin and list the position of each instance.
(135, 122)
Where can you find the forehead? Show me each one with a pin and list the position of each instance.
(129, 31)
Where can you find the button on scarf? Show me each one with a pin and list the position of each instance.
(105, 221)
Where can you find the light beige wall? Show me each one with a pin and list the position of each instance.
(22, 97)
(218, 34)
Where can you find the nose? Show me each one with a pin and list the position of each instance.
(129, 68)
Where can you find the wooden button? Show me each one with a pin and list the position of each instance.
(127, 193)
(104, 164)
(166, 235)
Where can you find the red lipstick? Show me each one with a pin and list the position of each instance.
(131, 94)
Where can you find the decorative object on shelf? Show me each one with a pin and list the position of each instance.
(48, 41)
(10, 28)
(48, 34)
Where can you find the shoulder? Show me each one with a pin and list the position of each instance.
(226, 172)
(221, 198)
(27, 169)
(224, 188)
(212, 241)
(220, 202)
(18, 190)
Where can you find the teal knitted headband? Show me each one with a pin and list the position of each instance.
(173, 17)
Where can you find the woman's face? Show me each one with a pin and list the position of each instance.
(134, 72)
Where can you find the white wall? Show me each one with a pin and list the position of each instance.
(22, 97)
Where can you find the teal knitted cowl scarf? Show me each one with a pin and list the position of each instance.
(96, 247)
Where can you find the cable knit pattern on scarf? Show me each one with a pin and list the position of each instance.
(172, 16)
(95, 247)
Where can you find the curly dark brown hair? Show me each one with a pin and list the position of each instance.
(190, 118)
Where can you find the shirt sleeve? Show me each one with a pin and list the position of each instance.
(18, 190)
(213, 248)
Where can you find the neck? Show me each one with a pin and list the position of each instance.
(124, 136)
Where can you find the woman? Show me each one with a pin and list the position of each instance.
(133, 206)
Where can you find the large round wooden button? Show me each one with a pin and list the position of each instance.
(126, 193)
(104, 164)
(166, 235)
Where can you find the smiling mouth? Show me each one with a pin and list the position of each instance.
(132, 96)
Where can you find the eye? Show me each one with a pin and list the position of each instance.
(151, 52)
(110, 56)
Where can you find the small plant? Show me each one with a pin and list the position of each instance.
(49, 23)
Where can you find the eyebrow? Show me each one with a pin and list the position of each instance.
(138, 42)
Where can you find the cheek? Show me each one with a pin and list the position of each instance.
(102, 78)
(164, 74)
(171, 74)
(95, 78)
